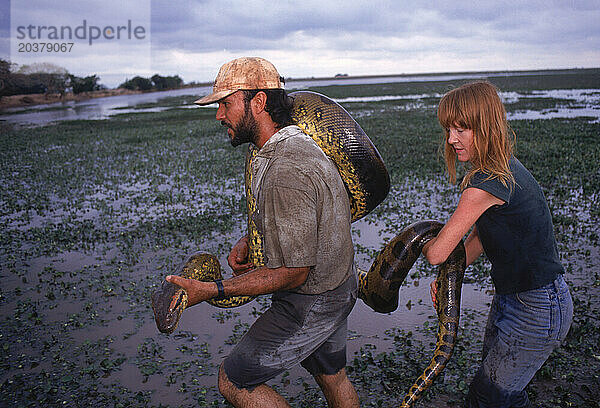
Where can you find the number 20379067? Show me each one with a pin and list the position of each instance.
(45, 47)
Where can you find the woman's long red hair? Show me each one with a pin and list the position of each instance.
(477, 106)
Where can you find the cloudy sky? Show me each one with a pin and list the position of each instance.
(310, 38)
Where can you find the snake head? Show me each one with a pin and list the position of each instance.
(168, 303)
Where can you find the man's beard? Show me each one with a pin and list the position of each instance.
(246, 131)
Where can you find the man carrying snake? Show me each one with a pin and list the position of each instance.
(303, 218)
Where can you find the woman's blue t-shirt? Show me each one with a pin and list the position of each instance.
(518, 236)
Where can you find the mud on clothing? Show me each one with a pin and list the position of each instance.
(303, 215)
(522, 331)
(297, 328)
(532, 309)
(303, 210)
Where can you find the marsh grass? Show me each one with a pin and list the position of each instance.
(95, 213)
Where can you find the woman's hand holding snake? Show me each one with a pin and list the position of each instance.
(433, 292)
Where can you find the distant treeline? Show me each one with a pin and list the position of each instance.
(157, 82)
(52, 79)
(42, 78)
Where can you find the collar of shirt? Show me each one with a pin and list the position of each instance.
(269, 146)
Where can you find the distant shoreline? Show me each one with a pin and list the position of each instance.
(15, 101)
(432, 74)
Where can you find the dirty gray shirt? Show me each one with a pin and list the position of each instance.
(303, 210)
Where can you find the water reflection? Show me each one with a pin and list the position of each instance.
(103, 108)
(97, 108)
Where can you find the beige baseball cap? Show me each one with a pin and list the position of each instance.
(245, 73)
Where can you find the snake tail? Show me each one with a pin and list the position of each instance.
(379, 289)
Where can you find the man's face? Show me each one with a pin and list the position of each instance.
(237, 116)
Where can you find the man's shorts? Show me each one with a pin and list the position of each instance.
(297, 328)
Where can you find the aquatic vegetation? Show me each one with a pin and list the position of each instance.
(95, 213)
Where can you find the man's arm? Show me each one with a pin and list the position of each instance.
(259, 281)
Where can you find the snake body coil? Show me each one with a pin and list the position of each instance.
(367, 182)
(379, 289)
(343, 141)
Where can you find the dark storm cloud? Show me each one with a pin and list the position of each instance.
(316, 37)
(242, 25)
(204, 26)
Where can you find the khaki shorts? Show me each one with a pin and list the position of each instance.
(297, 328)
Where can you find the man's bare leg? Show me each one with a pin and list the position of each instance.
(261, 396)
(338, 390)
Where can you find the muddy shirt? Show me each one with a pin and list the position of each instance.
(303, 210)
(518, 236)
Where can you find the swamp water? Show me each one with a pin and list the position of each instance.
(576, 103)
(94, 214)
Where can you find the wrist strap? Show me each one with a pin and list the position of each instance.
(221, 290)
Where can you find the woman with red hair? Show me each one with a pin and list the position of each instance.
(504, 208)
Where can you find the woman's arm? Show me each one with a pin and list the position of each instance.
(473, 246)
(473, 202)
(473, 249)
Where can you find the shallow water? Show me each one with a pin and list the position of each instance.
(96, 108)
(203, 326)
(103, 108)
(87, 307)
(586, 103)
(212, 328)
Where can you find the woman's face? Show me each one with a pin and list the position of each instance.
(462, 141)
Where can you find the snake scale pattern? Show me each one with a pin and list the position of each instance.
(367, 182)
(379, 289)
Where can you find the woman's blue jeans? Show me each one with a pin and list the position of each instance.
(522, 330)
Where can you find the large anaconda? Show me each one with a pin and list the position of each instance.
(379, 289)
(367, 182)
(361, 168)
